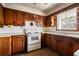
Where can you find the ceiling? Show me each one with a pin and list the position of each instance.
(40, 6)
(37, 8)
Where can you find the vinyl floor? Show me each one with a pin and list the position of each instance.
(39, 52)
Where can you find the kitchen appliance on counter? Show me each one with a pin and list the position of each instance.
(33, 33)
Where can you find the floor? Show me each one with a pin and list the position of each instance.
(40, 52)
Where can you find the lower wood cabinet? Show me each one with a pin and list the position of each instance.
(43, 39)
(5, 46)
(75, 44)
(18, 43)
(61, 44)
(48, 40)
(53, 42)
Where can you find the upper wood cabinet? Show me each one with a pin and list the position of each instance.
(9, 16)
(19, 18)
(39, 19)
(1, 15)
(48, 21)
(15, 17)
(28, 16)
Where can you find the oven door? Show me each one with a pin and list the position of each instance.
(33, 39)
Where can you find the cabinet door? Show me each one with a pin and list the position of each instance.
(1, 15)
(28, 16)
(43, 39)
(9, 16)
(48, 22)
(48, 39)
(39, 19)
(18, 43)
(78, 18)
(53, 42)
(19, 18)
(5, 48)
(63, 45)
(42, 19)
(75, 45)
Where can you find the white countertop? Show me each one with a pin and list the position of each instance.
(63, 34)
(10, 34)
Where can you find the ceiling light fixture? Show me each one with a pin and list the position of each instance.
(34, 3)
(45, 3)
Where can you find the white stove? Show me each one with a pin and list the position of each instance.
(33, 33)
(33, 41)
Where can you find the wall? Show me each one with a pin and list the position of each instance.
(53, 29)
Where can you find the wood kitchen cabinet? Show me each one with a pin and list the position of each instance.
(39, 19)
(42, 21)
(5, 46)
(48, 40)
(19, 18)
(53, 42)
(9, 16)
(60, 44)
(63, 45)
(13, 17)
(18, 43)
(1, 15)
(48, 21)
(43, 39)
(75, 45)
(28, 16)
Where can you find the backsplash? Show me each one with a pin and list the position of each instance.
(53, 29)
(19, 29)
(11, 29)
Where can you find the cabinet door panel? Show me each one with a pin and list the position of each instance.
(5, 46)
(28, 16)
(48, 39)
(9, 16)
(75, 45)
(63, 45)
(1, 15)
(53, 42)
(43, 39)
(17, 44)
(19, 18)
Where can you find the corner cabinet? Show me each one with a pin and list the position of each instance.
(1, 15)
(18, 43)
(40, 19)
(5, 46)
